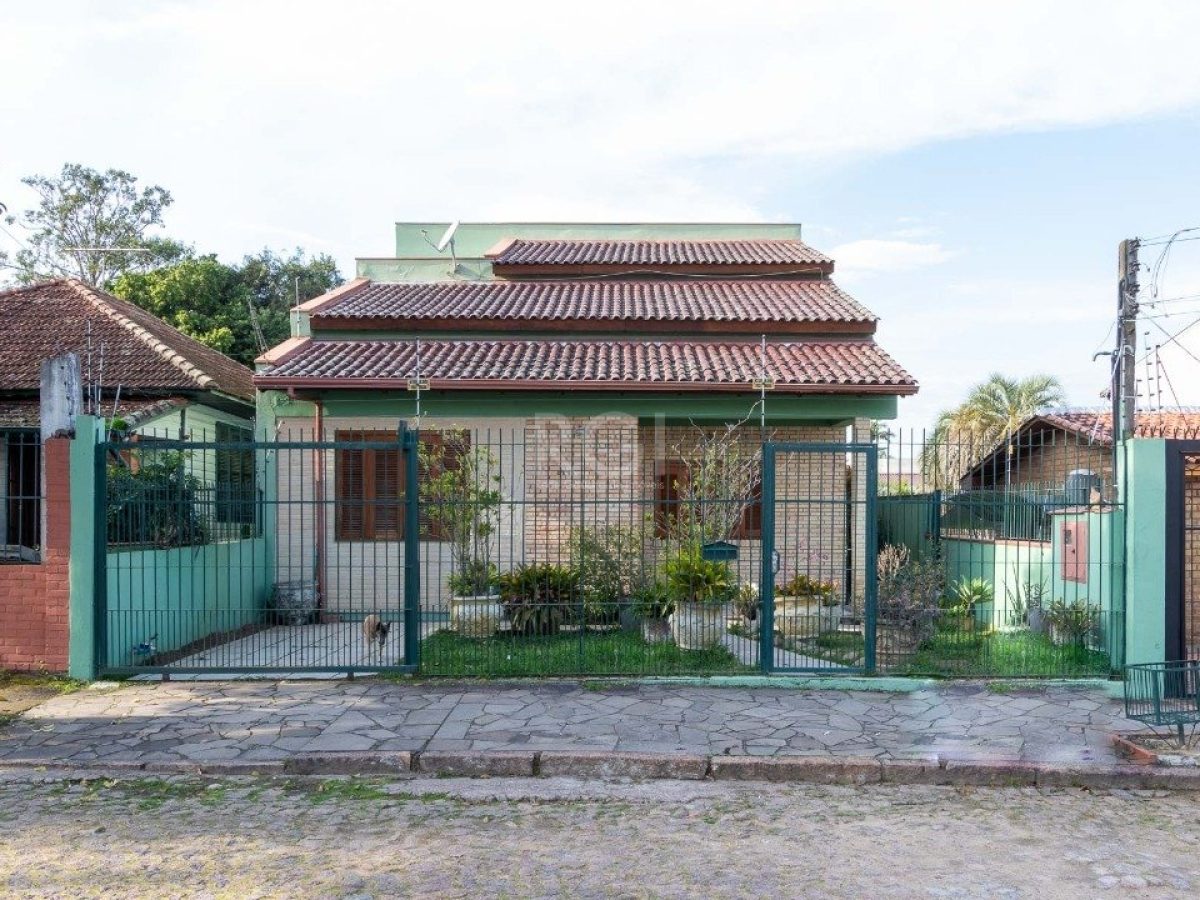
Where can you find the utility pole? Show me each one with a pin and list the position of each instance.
(1124, 391)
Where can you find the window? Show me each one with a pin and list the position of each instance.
(370, 484)
(669, 486)
(236, 491)
(750, 526)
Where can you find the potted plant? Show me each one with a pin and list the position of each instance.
(461, 499)
(475, 609)
(1071, 623)
(699, 589)
(539, 597)
(967, 595)
(652, 604)
(746, 603)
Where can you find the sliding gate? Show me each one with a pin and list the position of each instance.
(819, 547)
(231, 555)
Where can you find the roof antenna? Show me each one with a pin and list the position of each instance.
(763, 383)
(417, 384)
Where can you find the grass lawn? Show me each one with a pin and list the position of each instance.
(585, 653)
(846, 648)
(1004, 654)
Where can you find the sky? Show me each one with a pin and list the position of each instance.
(971, 167)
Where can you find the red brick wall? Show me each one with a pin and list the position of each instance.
(34, 599)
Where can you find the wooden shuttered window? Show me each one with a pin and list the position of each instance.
(370, 484)
(670, 485)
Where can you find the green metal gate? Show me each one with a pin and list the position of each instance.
(819, 548)
(242, 556)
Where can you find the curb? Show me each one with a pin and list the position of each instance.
(671, 766)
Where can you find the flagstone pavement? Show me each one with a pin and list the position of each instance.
(248, 721)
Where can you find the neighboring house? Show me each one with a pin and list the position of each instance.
(1048, 447)
(152, 381)
(582, 356)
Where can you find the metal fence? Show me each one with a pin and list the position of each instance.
(556, 547)
(1000, 558)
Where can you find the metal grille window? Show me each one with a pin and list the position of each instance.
(20, 495)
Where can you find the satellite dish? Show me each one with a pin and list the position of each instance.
(447, 237)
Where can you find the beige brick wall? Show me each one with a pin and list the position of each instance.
(559, 473)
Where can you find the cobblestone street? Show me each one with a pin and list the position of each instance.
(246, 837)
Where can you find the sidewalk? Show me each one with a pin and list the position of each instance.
(287, 725)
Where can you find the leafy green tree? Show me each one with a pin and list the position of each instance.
(276, 283)
(212, 301)
(90, 225)
(202, 297)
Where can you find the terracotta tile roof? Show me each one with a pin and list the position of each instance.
(651, 253)
(1096, 425)
(797, 367)
(808, 305)
(141, 352)
(25, 412)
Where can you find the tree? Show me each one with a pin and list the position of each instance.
(991, 414)
(277, 283)
(211, 301)
(202, 297)
(92, 226)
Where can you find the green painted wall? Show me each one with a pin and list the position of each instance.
(81, 661)
(698, 406)
(184, 594)
(416, 260)
(1142, 467)
(473, 239)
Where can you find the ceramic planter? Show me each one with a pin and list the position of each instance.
(698, 626)
(476, 617)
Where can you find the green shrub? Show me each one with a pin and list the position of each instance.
(539, 597)
(156, 504)
(693, 579)
(653, 601)
(800, 585)
(1073, 621)
(968, 593)
(477, 578)
(610, 567)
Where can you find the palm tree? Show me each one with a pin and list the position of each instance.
(992, 413)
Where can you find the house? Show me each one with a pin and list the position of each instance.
(1048, 447)
(151, 380)
(583, 356)
(143, 376)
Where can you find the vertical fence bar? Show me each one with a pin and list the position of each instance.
(870, 575)
(410, 441)
(766, 639)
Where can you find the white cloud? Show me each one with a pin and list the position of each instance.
(336, 120)
(876, 256)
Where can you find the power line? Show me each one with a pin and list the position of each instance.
(1174, 338)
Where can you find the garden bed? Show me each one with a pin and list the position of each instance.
(1001, 654)
(578, 653)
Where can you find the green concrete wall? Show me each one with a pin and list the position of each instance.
(673, 407)
(81, 657)
(184, 594)
(1142, 478)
